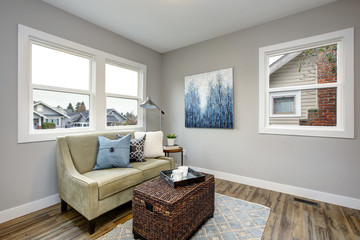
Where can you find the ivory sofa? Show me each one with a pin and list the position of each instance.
(93, 193)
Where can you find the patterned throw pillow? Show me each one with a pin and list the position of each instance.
(136, 148)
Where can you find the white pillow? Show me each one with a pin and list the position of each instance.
(153, 143)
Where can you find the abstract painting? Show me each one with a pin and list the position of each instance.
(209, 100)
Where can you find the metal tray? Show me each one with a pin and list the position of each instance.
(192, 177)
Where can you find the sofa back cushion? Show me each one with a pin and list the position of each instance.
(84, 148)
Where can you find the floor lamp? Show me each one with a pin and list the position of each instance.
(149, 104)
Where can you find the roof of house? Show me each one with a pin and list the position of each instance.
(39, 114)
(76, 116)
(110, 110)
(282, 61)
(86, 114)
(55, 109)
(111, 118)
(69, 112)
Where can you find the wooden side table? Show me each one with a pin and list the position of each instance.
(180, 150)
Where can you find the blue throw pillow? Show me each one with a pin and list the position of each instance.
(113, 153)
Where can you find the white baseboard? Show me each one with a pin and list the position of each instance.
(30, 207)
(297, 191)
(24, 209)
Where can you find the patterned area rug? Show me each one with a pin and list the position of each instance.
(233, 219)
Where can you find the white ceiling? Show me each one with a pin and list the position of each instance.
(165, 25)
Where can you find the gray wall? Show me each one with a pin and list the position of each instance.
(28, 171)
(323, 164)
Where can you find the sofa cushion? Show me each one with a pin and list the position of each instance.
(114, 180)
(153, 143)
(152, 167)
(113, 153)
(84, 148)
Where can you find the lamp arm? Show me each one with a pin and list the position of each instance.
(161, 111)
(157, 106)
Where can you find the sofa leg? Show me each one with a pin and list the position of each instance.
(91, 226)
(63, 206)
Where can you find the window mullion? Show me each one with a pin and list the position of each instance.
(304, 87)
(59, 89)
(59, 47)
(122, 96)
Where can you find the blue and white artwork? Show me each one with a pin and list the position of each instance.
(209, 99)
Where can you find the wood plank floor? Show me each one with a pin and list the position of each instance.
(289, 219)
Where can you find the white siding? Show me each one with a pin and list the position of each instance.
(289, 75)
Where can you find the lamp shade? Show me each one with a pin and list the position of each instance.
(149, 104)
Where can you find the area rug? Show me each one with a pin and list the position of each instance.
(233, 219)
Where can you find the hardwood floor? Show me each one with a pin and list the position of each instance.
(289, 219)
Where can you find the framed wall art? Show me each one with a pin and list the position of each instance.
(209, 99)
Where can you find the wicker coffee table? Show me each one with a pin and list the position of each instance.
(163, 212)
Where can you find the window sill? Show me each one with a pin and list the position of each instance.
(51, 135)
(310, 131)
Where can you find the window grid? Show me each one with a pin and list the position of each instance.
(50, 88)
(117, 96)
(95, 93)
(344, 127)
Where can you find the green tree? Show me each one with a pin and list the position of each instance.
(131, 119)
(70, 106)
(80, 107)
(325, 54)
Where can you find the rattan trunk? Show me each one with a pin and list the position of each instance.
(163, 212)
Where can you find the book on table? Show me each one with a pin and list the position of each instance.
(174, 147)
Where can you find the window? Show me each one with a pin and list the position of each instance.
(285, 104)
(306, 86)
(122, 94)
(62, 84)
(39, 108)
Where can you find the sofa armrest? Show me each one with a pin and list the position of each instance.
(172, 163)
(77, 190)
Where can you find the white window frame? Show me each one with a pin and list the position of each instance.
(297, 102)
(42, 87)
(141, 73)
(345, 85)
(26, 132)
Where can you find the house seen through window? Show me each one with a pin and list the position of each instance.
(60, 87)
(122, 94)
(311, 68)
(66, 87)
(306, 86)
(61, 90)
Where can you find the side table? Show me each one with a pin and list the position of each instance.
(180, 150)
